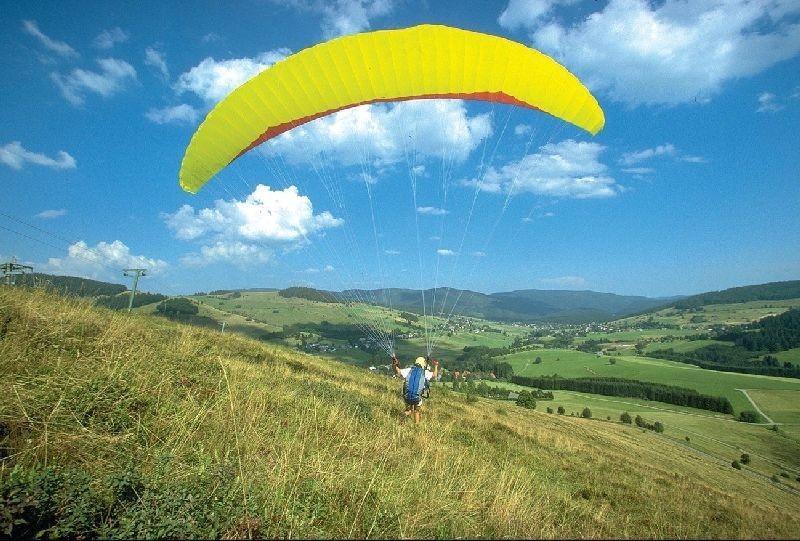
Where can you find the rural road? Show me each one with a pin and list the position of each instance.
(764, 415)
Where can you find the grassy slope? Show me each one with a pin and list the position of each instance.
(231, 437)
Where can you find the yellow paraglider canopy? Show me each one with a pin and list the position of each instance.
(425, 61)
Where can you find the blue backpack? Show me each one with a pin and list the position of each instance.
(415, 384)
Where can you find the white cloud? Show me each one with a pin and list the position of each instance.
(631, 158)
(522, 129)
(564, 281)
(667, 149)
(247, 229)
(178, 114)
(768, 103)
(51, 214)
(211, 37)
(693, 159)
(672, 52)
(240, 253)
(340, 17)
(108, 38)
(16, 156)
(478, 254)
(113, 76)
(527, 13)
(103, 261)
(432, 211)
(385, 133)
(212, 80)
(391, 252)
(156, 59)
(351, 16)
(58, 47)
(639, 170)
(565, 169)
(445, 252)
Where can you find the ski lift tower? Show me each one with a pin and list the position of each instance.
(12, 268)
(136, 273)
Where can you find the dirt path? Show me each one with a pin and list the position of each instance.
(764, 415)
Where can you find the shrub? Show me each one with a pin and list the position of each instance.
(748, 416)
(561, 410)
(775, 478)
(736, 465)
(526, 400)
(549, 410)
(658, 427)
(586, 413)
(688, 439)
(612, 361)
(745, 458)
(639, 421)
(784, 474)
(626, 418)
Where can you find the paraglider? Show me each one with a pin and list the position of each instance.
(417, 63)
(421, 62)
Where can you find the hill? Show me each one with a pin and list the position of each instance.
(71, 285)
(134, 426)
(527, 305)
(771, 291)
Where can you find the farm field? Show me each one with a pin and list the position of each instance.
(575, 364)
(682, 346)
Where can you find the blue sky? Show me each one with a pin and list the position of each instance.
(691, 186)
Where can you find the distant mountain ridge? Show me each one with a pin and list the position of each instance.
(771, 291)
(525, 305)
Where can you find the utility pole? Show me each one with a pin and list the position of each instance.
(136, 273)
(12, 268)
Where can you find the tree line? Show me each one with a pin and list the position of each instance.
(774, 333)
(659, 392)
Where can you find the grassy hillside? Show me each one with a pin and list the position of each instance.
(134, 426)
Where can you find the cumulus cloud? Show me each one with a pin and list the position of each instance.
(238, 252)
(58, 47)
(16, 156)
(671, 52)
(51, 214)
(528, 13)
(768, 103)
(384, 133)
(212, 80)
(156, 59)
(432, 211)
(566, 169)
(248, 229)
(103, 261)
(340, 17)
(178, 114)
(108, 38)
(564, 281)
(112, 78)
(445, 252)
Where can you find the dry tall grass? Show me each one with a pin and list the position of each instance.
(186, 432)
